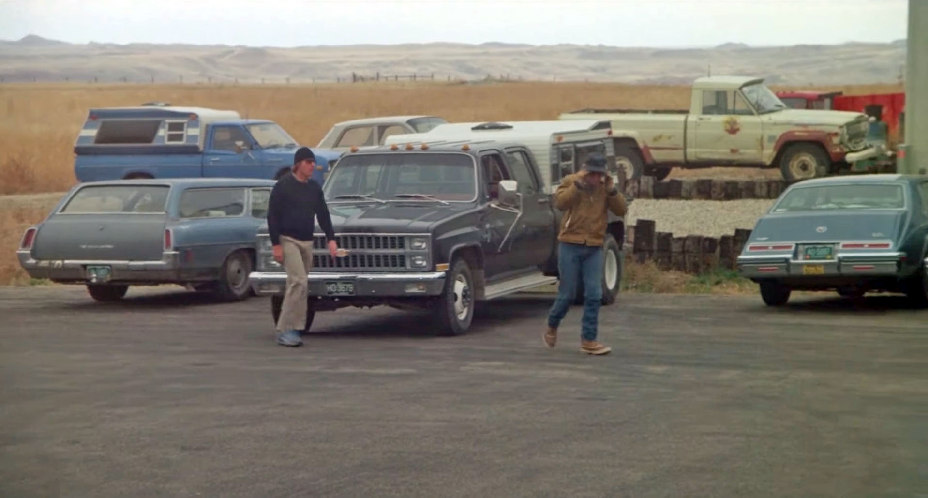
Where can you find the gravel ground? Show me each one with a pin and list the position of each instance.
(692, 217)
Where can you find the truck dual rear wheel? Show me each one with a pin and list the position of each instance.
(277, 303)
(454, 311)
(629, 158)
(803, 162)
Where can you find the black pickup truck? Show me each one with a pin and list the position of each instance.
(435, 227)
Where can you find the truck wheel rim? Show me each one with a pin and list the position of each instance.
(802, 166)
(610, 270)
(625, 165)
(461, 297)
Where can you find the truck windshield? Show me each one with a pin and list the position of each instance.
(834, 197)
(762, 98)
(417, 177)
(270, 135)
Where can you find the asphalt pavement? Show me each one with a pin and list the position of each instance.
(170, 393)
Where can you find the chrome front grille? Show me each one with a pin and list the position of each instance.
(365, 253)
(857, 134)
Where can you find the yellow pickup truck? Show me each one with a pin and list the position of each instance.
(734, 121)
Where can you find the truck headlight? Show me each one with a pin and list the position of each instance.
(418, 243)
(418, 262)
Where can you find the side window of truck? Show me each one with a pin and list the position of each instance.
(742, 108)
(226, 137)
(565, 163)
(714, 102)
(212, 202)
(520, 165)
(494, 171)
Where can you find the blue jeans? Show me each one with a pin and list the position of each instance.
(584, 263)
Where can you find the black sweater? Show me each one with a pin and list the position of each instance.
(294, 208)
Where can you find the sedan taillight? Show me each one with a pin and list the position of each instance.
(28, 239)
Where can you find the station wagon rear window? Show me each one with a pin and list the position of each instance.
(212, 202)
(837, 197)
(118, 199)
(127, 131)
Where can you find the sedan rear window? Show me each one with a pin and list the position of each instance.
(838, 197)
(118, 199)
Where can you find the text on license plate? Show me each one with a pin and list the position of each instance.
(339, 288)
(813, 269)
(818, 252)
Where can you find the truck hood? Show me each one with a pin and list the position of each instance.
(807, 117)
(392, 217)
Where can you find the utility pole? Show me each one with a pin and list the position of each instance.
(913, 154)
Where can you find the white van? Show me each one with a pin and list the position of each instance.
(559, 147)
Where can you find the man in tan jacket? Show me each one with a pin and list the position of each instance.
(585, 197)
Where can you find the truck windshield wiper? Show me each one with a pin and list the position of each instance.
(421, 196)
(359, 196)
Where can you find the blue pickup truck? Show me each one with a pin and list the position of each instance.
(163, 141)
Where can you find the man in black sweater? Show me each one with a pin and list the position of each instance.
(296, 204)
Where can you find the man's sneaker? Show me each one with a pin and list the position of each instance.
(290, 338)
(593, 347)
(550, 337)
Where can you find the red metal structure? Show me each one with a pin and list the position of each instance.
(892, 104)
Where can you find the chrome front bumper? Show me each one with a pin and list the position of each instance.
(365, 284)
(864, 264)
(73, 270)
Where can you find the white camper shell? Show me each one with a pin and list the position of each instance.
(559, 147)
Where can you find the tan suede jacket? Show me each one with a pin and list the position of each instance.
(585, 217)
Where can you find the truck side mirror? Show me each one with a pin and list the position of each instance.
(508, 194)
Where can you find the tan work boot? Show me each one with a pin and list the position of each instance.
(593, 347)
(550, 337)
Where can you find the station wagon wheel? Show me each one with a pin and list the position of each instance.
(803, 161)
(630, 160)
(277, 303)
(455, 310)
(107, 293)
(234, 284)
(774, 293)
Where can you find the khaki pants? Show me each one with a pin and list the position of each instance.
(298, 260)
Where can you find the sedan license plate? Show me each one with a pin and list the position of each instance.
(98, 273)
(824, 251)
(813, 269)
(339, 288)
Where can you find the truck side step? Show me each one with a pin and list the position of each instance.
(515, 284)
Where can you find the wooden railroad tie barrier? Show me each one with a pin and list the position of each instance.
(704, 189)
(691, 254)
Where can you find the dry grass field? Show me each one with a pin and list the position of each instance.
(39, 122)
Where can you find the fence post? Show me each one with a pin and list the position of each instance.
(726, 257)
(677, 253)
(664, 250)
(710, 254)
(692, 250)
(645, 239)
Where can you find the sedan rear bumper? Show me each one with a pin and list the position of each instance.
(856, 265)
(165, 270)
(368, 285)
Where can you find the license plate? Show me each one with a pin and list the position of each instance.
(339, 288)
(813, 269)
(818, 252)
(98, 273)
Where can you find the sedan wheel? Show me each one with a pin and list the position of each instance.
(234, 284)
(774, 293)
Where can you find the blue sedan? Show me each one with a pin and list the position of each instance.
(110, 235)
(847, 234)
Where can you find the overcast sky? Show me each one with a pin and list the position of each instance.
(624, 23)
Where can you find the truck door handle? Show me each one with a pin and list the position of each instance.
(213, 159)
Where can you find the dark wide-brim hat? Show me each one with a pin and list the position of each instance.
(595, 163)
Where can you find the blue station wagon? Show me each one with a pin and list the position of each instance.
(110, 235)
(848, 234)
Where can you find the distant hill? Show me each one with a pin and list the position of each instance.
(34, 58)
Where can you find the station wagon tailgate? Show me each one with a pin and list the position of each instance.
(122, 236)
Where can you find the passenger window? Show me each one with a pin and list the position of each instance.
(714, 102)
(212, 202)
(741, 106)
(225, 138)
(519, 164)
(494, 171)
(390, 130)
(260, 200)
(357, 137)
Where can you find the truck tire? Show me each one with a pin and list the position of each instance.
(803, 162)
(613, 264)
(658, 172)
(277, 303)
(107, 293)
(774, 293)
(455, 309)
(234, 284)
(629, 158)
